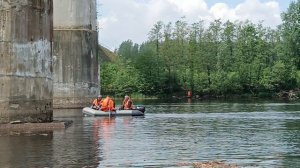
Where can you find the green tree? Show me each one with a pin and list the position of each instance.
(193, 59)
(125, 49)
(180, 55)
(223, 58)
(245, 54)
(226, 55)
(147, 64)
(155, 38)
(119, 78)
(156, 35)
(167, 55)
(210, 57)
(278, 77)
(291, 31)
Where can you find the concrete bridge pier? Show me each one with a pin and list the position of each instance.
(26, 83)
(75, 53)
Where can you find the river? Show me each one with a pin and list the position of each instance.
(246, 133)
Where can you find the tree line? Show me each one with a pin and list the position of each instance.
(216, 58)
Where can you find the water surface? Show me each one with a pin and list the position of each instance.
(250, 134)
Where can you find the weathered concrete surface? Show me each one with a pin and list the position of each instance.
(79, 14)
(75, 53)
(33, 127)
(26, 83)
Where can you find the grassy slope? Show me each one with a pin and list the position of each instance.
(106, 55)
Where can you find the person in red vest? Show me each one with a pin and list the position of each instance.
(127, 103)
(107, 104)
(189, 94)
(97, 103)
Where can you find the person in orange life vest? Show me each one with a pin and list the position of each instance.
(127, 103)
(108, 104)
(97, 103)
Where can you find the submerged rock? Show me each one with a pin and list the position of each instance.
(208, 164)
(213, 164)
(290, 95)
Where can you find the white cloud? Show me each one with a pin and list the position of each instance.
(223, 12)
(256, 11)
(133, 19)
(189, 6)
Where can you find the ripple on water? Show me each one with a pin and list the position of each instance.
(248, 134)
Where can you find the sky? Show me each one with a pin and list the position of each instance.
(120, 20)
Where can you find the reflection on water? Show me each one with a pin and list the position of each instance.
(251, 134)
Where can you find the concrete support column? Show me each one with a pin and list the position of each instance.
(26, 83)
(75, 53)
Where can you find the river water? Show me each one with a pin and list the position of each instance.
(249, 134)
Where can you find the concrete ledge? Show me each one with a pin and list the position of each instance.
(35, 127)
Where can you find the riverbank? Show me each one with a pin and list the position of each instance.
(282, 95)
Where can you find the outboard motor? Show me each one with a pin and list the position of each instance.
(141, 108)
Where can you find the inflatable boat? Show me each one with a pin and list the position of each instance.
(139, 111)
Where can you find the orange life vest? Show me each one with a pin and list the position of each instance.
(107, 105)
(97, 102)
(127, 104)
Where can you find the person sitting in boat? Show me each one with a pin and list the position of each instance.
(97, 103)
(107, 104)
(127, 103)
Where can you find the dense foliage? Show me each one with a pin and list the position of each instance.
(217, 58)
